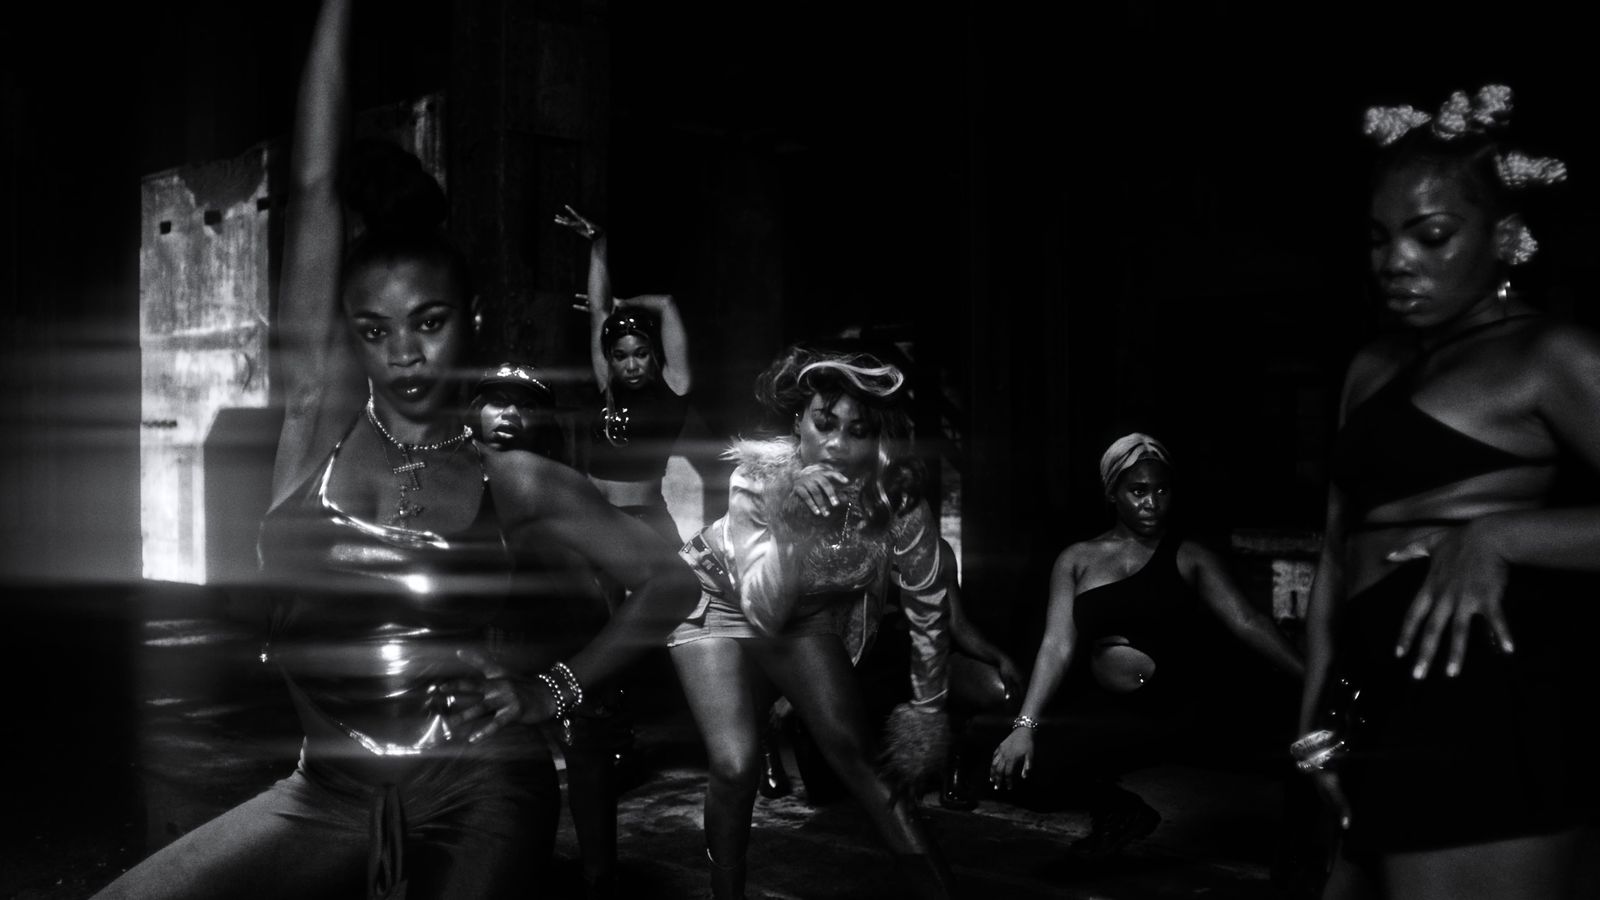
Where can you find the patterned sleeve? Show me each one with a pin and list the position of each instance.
(763, 563)
(916, 569)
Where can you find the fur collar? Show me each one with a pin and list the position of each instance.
(766, 460)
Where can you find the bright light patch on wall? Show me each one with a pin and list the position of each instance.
(685, 493)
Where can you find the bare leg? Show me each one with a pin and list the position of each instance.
(1528, 868)
(722, 684)
(815, 674)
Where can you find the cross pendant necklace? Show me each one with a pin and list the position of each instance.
(406, 508)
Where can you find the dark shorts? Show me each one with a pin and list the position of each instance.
(1497, 752)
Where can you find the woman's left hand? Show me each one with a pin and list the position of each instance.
(491, 696)
(1466, 579)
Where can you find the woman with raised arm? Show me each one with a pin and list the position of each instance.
(1130, 598)
(816, 519)
(421, 773)
(1450, 690)
(640, 354)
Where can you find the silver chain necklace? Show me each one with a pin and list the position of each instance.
(837, 539)
(406, 508)
(372, 416)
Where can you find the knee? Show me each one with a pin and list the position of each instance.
(735, 767)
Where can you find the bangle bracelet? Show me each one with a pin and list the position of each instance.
(1028, 722)
(571, 679)
(1315, 750)
(556, 693)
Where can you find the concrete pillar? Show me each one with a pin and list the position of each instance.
(529, 90)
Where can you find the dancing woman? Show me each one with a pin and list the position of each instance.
(1128, 598)
(387, 545)
(815, 518)
(1448, 700)
(640, 354)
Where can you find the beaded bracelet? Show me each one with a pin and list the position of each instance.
(571, 679)
(557, 693)
(1028, 722)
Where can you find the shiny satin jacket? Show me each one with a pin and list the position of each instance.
(778, 577)
(369, 617)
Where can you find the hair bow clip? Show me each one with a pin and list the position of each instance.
(1387, 124)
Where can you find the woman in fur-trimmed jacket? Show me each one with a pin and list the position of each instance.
(794, 578)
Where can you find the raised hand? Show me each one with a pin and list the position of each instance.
(578, 223)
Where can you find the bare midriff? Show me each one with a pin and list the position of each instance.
(1120, 667)
(629, 493)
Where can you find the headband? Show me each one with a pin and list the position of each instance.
(879, 381)
(625, 322)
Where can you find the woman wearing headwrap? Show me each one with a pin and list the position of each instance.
(1130, 596)
(640, 354)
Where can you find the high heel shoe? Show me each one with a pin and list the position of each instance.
(727, 882)
(774, 778)
(954, 791)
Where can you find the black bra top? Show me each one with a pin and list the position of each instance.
(1150, 608)
(1389, 449)
(642, 432)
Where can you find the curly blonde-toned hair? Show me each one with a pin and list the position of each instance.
(879, 389)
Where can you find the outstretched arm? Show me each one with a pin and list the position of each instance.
(674, 339)
(599, 286)
(1210, 578)
(1055, 654)
(321, 382)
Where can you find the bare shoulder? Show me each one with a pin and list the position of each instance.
(1079, 556)
(1560, 348)
(529, 486)
(1195, 553)
(1195, 558)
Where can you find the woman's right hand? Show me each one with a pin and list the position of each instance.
(816, 487)
(578, 223)
(1016, 748)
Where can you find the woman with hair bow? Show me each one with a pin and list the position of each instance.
(791, 584)
(1449, 699)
